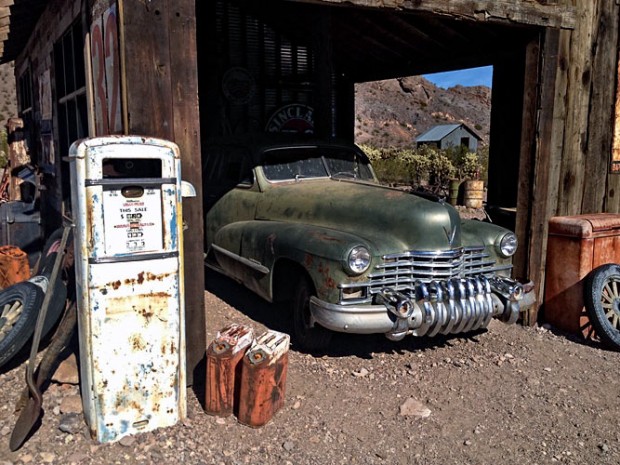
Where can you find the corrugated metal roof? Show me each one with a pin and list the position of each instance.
(437, 133)
(17, 21)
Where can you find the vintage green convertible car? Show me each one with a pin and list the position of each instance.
(306, 222)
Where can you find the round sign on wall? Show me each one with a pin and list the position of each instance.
(294, 118)
(238, 85)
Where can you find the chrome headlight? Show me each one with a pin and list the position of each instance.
(507, 245)
(358, 260)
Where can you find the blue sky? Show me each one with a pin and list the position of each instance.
(466, 77)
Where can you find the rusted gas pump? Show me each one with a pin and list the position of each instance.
(126, 207)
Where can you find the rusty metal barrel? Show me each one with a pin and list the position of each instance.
(224, 356)
(263, 379)
(14, 267)
(473, 194)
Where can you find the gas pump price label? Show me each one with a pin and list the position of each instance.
(132, 224)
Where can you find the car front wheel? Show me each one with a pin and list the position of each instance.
(310, 338)
(602, 300)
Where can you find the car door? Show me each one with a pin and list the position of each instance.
(230, 195)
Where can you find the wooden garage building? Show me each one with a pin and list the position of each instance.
(187, 70)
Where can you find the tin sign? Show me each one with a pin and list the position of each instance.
(132, 224)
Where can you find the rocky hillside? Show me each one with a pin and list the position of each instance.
(8, 100)
(394, 112)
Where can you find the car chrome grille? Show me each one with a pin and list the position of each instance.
(401, 271)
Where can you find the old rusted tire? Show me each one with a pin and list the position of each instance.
(19, 307)
(310, 338)
(602, 300)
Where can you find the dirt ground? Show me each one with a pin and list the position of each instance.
(509, 395)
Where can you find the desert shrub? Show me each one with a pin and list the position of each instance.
(4, 149)
(468, 165)
(426, 166)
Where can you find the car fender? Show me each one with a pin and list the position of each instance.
(320, 251)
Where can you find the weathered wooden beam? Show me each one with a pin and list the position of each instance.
(572, 174)
(601, 106)
(551, 115)
(511, 11)
(186, 127)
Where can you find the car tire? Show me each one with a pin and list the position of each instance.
(18, 324)
(602, 301)
(310, 338)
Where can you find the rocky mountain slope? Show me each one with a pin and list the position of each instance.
(394, 112)
(8, 100)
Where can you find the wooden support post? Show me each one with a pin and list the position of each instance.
(186, 124)
(527, 155)
(543, 204)
(601, 107)
(162, 101)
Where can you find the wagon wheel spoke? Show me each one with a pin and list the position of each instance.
(10, 308)
(609, 314)
(607, 293)
(614, 321)
(9, 316)
(14, 313)
(614, 284)
(5, 309)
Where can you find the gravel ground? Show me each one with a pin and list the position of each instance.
(509, 395)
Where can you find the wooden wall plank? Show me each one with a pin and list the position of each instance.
(578, 101)
(162, 101)
(148, 68)
(511, 11)
(527, 155)
(186, 123)
(612, 198)
(551, 115)
(601, 118)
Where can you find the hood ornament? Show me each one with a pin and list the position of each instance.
(450, 235)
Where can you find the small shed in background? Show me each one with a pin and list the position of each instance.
(444, 136)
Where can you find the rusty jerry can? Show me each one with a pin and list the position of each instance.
(126, 207)
(263, 379)
(224, 361)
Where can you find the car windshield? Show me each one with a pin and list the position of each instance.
(315, 162)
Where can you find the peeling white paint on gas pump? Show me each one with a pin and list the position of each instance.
(129, 269)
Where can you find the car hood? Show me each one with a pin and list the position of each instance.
(392, 220)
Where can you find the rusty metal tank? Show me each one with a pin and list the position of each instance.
(263, 379)
(224, 362)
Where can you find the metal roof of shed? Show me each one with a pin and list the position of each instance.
(440, 131)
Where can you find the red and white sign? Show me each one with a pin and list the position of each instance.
(106, 73)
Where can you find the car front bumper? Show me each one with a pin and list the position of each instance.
(448, 307)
